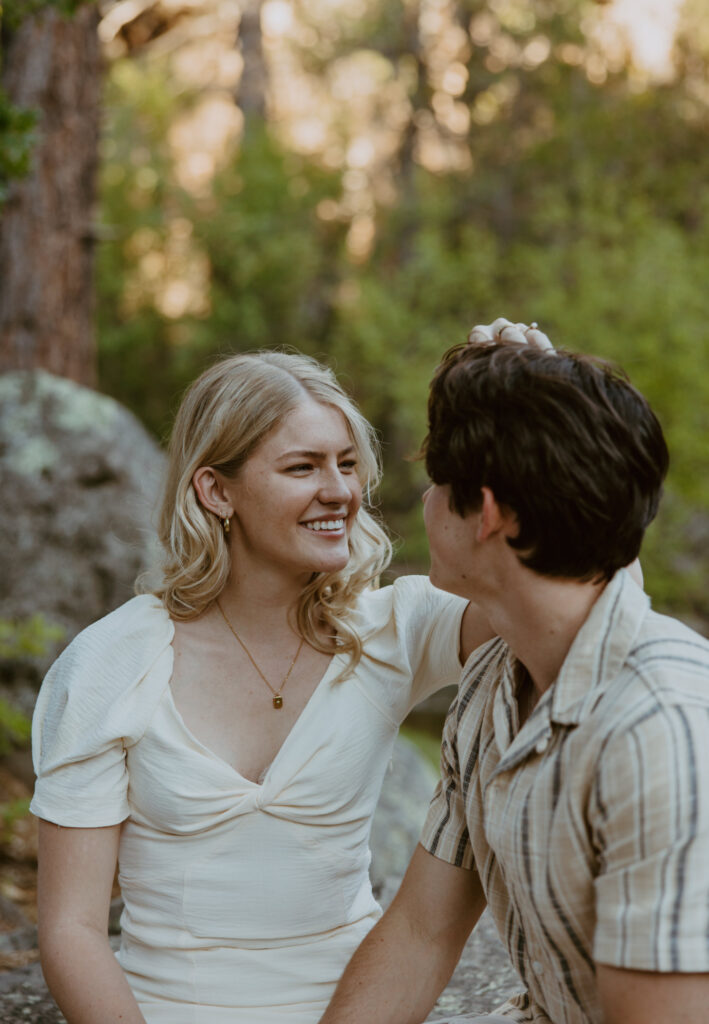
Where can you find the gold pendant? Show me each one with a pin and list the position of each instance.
(278, 701)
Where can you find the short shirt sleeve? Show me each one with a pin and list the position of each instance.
(445, 831)
(650, 817)
(411, 643)
(96, 700)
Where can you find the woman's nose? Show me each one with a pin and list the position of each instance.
(334, 488)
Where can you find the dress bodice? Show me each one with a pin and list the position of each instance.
(227, 883)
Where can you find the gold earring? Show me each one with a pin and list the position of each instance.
(225, 525)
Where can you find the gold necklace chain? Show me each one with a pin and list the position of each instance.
(277, 694)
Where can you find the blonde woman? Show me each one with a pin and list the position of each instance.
(224, 738)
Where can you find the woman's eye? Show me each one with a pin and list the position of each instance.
(348, 465)
(302, 467)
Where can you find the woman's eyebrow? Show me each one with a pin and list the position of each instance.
(303, 454)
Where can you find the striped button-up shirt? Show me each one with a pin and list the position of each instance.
(589, 826)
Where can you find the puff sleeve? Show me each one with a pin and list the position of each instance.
(96, 700)
(411, 641)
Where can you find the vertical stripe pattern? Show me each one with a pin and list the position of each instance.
(589, 826)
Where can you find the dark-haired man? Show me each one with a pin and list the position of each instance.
(574, 797)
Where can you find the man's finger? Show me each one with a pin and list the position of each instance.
(502, 329)
(538, 338)
(481, 334)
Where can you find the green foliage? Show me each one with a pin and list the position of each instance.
(272, 262)
(14, 727)
(12, 812)
(29, 638)
(427, 743)
(602, 237)
(16, 141)
(587, 209)
(139, 198)
(14, 12)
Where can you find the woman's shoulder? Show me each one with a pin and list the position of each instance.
(138, 615)
(410, 634)
(110, 663)
(411, 599)
(97, 699)
(135, 629)
(404, 614)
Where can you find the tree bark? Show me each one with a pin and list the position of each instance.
(53, 64)
(254, 77)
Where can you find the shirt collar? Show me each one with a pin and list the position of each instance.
(504, 709)
(600, 649)
(595, 658)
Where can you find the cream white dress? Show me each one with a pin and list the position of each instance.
(243, 901)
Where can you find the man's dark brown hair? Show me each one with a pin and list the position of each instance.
(563, 440)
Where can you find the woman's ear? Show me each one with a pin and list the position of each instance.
(209, 489)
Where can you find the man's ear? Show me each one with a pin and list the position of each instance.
(210, 491)
(495, 518)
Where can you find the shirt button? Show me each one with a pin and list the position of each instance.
(542, 745)
(538, 967)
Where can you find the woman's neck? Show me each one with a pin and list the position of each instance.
(261, 604)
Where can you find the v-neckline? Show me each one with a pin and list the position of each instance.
(208, 752)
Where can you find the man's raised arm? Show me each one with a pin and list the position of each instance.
(406, 960)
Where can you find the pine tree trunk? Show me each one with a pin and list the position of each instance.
(52, 64)
(254, 77)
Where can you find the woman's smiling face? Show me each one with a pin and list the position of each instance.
(297, 495)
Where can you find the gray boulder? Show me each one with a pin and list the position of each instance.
(80, 479)
(407, 790)
(484, 978)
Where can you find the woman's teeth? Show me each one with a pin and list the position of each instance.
(325, 524)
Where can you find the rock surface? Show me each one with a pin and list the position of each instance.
(484, 978)
(400, 814)
(80, 478)
(24, 997)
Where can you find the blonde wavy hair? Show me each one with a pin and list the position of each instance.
(223, 417)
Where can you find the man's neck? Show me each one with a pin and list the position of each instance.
(539, 618)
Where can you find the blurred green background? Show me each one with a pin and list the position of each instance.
(364, 180)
